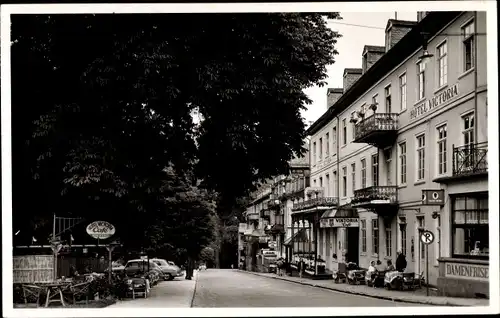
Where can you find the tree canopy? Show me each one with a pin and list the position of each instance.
(102, 105)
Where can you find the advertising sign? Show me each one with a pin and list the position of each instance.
(433, 197)
(101, 230)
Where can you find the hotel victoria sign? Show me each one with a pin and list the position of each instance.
(339, 222)
(435, 102)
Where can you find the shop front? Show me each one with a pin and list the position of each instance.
(465, 272)
(344, 222)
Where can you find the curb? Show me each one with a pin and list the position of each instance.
(194, 290)
(395, 299)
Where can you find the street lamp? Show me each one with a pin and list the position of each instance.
(426, 56)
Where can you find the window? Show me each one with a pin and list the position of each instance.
(468, 45)
(327, 141)
(470, 226)
(420, 81)
(375, 236)
(442, 58)
(403, 240)
(388, 100)
(420, 157)
(344, 181)
(441, 143)
(335, 183)
(353, 126)
(402, 91)
(321, 182)
(344, 132)
(402, 162)
(334, 140)
(375, 99)
(421, 227)
(363, 173)
(314, 152)
(363, 236)
(327, 177)
(353, 176)
(388, 241)
(375, 170)
(320, 148)
(468, 129)
(388, 165)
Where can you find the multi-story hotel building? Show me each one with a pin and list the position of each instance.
(413, 118)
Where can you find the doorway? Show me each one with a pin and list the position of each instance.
(353, 244)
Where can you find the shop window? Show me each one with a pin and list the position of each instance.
(470, 226)
(388, 241)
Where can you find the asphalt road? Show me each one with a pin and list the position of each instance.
(230, 288)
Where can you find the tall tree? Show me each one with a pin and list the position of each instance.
(103, 103)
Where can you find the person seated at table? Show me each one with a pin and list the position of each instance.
(390, 267)
(371, 268)
(380, 267)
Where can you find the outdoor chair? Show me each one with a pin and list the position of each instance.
(80, 289)
(32, 290)
(379, 279)
(408, 281)
(420, 280)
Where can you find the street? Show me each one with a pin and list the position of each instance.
(230, 288)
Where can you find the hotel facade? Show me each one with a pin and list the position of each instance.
(402, 149)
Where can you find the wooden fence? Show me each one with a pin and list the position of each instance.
(33, 268)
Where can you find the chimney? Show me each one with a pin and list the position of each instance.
(371, 54)
(421, 15)
(395, 31)
(332, 96)
(351, 75)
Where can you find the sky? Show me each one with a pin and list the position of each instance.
(350, 47)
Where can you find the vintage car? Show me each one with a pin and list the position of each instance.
(169, 269)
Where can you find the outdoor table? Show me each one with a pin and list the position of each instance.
(55, 292)
(391, 277)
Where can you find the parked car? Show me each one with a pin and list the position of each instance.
(168, 268)
(140, 267)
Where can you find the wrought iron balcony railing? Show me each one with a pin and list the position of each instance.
(375, 193)
(470, 159)
(376, 123)
(316, 202)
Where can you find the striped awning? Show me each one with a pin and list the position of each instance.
(300, 236)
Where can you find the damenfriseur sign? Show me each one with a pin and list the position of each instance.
(435, 102)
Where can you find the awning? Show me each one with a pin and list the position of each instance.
(340, 217)
(300, 236)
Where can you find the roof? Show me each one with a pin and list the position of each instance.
(405, 23)
(432, 24)
(373, 48)
(353, 71)
(335, 90)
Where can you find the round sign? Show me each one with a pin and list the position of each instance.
(101, 230)
(435, 195)
(424, 197)
(427, 237)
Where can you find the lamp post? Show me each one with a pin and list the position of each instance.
(111, 246)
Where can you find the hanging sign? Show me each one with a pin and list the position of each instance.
(101, 230)
(433, 197)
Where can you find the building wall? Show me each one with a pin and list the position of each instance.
(412, 122)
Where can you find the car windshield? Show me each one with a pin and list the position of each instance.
(161, 262)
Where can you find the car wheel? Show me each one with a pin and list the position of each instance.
(169, 277)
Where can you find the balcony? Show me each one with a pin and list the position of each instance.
(318, 203)
(468, 162)
(375, 197)
(379, 130)
(278, 227)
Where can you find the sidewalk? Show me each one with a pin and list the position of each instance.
(418, 296)
(177, 293)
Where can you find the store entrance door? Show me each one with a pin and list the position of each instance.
(353, 244)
